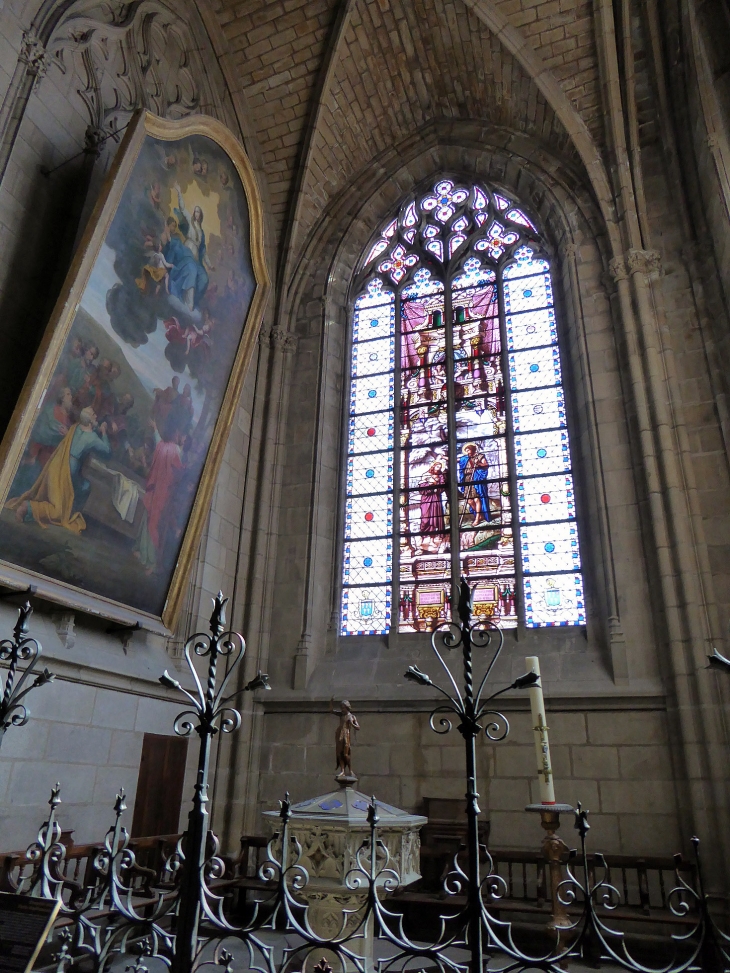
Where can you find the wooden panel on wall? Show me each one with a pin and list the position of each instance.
(159, 785)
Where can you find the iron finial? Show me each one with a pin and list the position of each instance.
(218, 618)
(285, 807)
(119, 805)
(21, 626)
(581, 821)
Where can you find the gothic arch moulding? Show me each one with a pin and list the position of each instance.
(576, 234)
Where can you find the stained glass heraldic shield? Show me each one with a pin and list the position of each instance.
(458, 449)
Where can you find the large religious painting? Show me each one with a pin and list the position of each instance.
(111, 457)
(459, 461)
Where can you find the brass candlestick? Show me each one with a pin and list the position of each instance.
(553, 848)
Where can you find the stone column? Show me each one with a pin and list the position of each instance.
(31, 66)
(686, 582)
(238, 764)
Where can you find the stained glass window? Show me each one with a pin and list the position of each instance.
(458, 452)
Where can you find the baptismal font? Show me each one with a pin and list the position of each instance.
(331, 829)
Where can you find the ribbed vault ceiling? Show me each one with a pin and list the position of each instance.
(395, 66)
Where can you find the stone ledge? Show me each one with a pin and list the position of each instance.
(557, 704)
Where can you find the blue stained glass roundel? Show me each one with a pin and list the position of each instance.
(542, 453)
(372, 393)
(368, 562)
(549, 547)
(371, 473)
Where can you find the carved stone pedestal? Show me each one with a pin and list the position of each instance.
(331, 829)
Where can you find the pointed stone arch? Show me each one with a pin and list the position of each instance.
(319, 315)
(530, 60)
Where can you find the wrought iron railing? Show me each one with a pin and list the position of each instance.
(191, 919)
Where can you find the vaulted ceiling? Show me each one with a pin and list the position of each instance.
(332, 84)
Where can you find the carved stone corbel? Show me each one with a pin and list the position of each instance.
(64, 623)
(33, 55)
(94, 138)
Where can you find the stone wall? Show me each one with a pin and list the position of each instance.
(611, 755)
(85, 730)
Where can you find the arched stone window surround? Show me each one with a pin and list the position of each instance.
(320, 307)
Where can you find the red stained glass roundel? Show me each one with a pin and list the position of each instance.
(369, 516)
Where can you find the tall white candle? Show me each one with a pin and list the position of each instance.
(542, 746)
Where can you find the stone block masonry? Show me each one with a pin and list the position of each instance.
(614, 760)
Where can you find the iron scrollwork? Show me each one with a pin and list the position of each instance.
(21, 649)
(183, 915)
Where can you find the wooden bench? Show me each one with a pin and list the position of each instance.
(77, 868)
(643, 884)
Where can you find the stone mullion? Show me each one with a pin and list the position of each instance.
(509, 438)
(397, 494)
(454, 513)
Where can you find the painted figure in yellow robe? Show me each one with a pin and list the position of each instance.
(58, 495)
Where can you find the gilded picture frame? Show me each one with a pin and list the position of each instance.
(105, 480)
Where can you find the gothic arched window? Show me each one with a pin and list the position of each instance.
(458, 456)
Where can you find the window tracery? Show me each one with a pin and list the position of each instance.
(457, 404)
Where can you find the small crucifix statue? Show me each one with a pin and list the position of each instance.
(343, 742)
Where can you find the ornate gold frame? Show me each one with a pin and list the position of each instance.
(52, 343)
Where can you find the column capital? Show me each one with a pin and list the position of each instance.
(283, 340)
(644, 261)
(635, 261)
(618, 268)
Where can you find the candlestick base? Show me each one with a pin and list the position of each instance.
(553, 848)
(557, 808)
